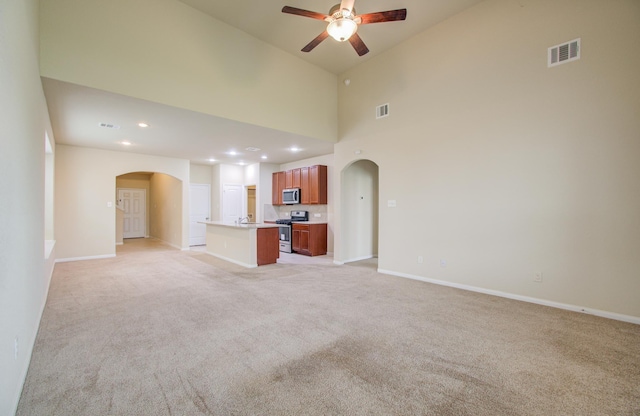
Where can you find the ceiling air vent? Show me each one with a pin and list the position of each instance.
(382, 110)
(566, 52)
(109, 126)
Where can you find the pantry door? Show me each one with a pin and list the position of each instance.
(231, 203)
(199, 210)
(134, 204)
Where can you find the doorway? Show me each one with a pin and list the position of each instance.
(133, 202)
(360, 211)
(251, 203)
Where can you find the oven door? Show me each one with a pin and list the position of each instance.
(285, 233)
(285, 238)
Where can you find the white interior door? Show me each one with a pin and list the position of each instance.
(199, 210)
(134, 204)
(231, 203)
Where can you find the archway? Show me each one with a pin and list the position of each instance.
(163, 205)
(359, 211)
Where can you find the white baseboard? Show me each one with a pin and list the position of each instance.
(68, 259)
(170, 244)
(239, 263)
(367, 257)
(544, 302)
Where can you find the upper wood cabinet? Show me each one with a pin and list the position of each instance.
(277, 185)
(311, 180)
(304, 185)
(295, 174)
(318, 184)
(292, 179)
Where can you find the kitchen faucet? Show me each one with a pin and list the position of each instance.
(240, 220)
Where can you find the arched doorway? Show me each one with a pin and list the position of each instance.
(359, 211)
(162, 211)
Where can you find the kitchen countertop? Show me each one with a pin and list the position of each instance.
(246, 226)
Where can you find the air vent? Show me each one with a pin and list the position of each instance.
(253, 149)
(109, 126)
(382, 110)
(566, 52)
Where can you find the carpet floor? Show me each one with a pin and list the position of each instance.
(157, 331)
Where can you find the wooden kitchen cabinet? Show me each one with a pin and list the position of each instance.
(292, 179)
(311, 180)
(295, 178)
(309, 239)
(277, 185)
(268, 246)
(318, 184)
(288, 179)
(304, 185)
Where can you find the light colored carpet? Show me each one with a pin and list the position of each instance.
(156, 331)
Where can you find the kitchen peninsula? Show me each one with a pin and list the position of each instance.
(249, 245)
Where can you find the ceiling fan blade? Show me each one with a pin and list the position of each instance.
(305, 13)
(358, 44)
(347, 4)
(322, 36)
(379, 17)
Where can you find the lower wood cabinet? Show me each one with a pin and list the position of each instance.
(268, 246)
(309, 239)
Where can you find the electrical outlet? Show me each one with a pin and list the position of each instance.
(225, 244)
(537, 277)
(443, 263)
(420, 259)
(317, 215)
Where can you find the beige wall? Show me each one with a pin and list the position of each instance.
(202, 174)
(85, 184)
(167, 208)
(167, 52)
(24, 274)
(501, 166)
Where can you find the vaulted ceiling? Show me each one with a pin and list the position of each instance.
(76, 110)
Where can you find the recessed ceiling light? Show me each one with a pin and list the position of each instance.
(143, 125)
(125, 143)
(212, 160)
(295, 149)
(253, 149)
(241, 163)
(232, 153)
(263, 157)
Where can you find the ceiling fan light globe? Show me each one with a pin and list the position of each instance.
(342, 29)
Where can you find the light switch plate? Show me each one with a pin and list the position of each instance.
(391, 203)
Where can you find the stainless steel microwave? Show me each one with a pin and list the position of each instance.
(291, 196)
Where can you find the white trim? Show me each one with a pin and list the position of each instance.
(544, 302)
(68, 259)
(247, 265)
(119, 244)
(367, 257)
(169, 244)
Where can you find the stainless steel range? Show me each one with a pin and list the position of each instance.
(285, 228)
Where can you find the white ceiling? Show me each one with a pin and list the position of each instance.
(77, 111)
(76, 114)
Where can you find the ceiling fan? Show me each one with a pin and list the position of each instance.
(343, 23)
